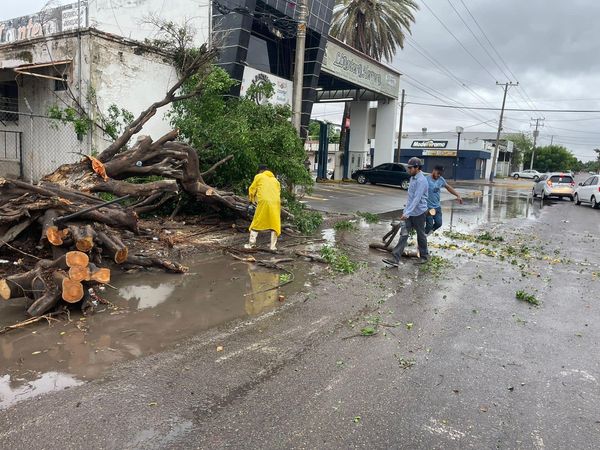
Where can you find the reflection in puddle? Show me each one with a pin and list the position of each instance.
(20, 389)
(156, 311)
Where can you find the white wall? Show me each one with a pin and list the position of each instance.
(127, 17)
(132, 82)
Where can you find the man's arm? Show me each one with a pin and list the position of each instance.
(454, 192)
(422, 188)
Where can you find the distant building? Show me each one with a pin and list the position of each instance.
(474, 155)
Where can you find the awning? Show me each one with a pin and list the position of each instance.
(53, 70)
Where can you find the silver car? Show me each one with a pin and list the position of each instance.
(555, 184)
(532, 174)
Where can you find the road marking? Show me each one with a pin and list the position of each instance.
(443, 429)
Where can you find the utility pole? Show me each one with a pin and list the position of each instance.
(299, 65)
(397, 158)
(496, 149)
(536, 133)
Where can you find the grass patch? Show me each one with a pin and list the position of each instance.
(368, 331)
(344, 225)
(338, 260)
(487, 237)
(368, 217)
(526, 297)
(483, 238)
(305, 220)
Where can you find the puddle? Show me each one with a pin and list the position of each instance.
(158, 310)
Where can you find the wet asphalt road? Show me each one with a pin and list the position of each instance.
(458, 363)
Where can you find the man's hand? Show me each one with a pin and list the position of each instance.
(459, 200)
(403, 217)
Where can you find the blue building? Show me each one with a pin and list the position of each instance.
(473, 160)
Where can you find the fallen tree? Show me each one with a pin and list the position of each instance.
(70, 220)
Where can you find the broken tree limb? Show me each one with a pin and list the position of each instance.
(98, 274)
(149, 261)
(11, 233)
(76, 214)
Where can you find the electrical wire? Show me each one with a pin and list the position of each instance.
(483, 108)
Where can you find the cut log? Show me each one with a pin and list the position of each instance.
(83, 237)
(17, 286)
(72, 291)
(79, 259)
(99, 274)
(114, 246)
(79, 273)
(47, 294)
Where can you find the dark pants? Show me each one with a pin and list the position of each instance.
(434, 222)
(416, 223)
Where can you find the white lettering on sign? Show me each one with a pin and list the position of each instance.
(44, 23)
(351, 66)
(429, 144)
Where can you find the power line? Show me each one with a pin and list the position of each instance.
(483, 108)
(520, 88)
(458, 40)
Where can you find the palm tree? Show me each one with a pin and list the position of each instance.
(373, 27)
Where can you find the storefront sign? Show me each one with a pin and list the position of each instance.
(429, 144)
(44, 23)
(350, 66)
(439, 153)
(283, 88)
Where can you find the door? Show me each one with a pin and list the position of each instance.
(589, 186)
(379, 173)
(399, 174)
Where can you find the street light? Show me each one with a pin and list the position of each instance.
(459, 130)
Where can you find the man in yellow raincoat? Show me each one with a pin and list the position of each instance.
(265, 192)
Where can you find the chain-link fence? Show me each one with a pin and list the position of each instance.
(44, 145)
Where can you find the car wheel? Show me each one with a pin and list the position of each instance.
(577, 201)
(516, 176)
(361, 179)
(405, 184)
(595, 204)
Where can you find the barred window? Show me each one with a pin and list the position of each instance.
(9, 101)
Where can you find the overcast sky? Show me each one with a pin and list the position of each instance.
(550, 47)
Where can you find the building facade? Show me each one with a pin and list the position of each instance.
(473, 160)
(83, 56)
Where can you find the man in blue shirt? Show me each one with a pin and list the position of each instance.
(414, 214)
(436, 183)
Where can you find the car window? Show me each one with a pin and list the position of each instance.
(595, 181)
(385, 167)
(398, 168)
(543, 177)
(561, 179)
(588, 182)
(381, 167)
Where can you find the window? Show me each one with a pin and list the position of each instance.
(595, 181)
(588, 182)
(385, 167)
(543, 177)
(9, 101)
(60, 85)
(398, 168)
(564, 179)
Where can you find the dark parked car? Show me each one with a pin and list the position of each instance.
(388, 173)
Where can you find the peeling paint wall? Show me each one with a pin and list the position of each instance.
(128, 18)
(132, 80)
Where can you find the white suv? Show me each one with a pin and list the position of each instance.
(589, 192)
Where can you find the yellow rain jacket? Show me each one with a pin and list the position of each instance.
(265, 191)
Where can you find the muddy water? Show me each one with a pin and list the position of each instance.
(155, 310)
